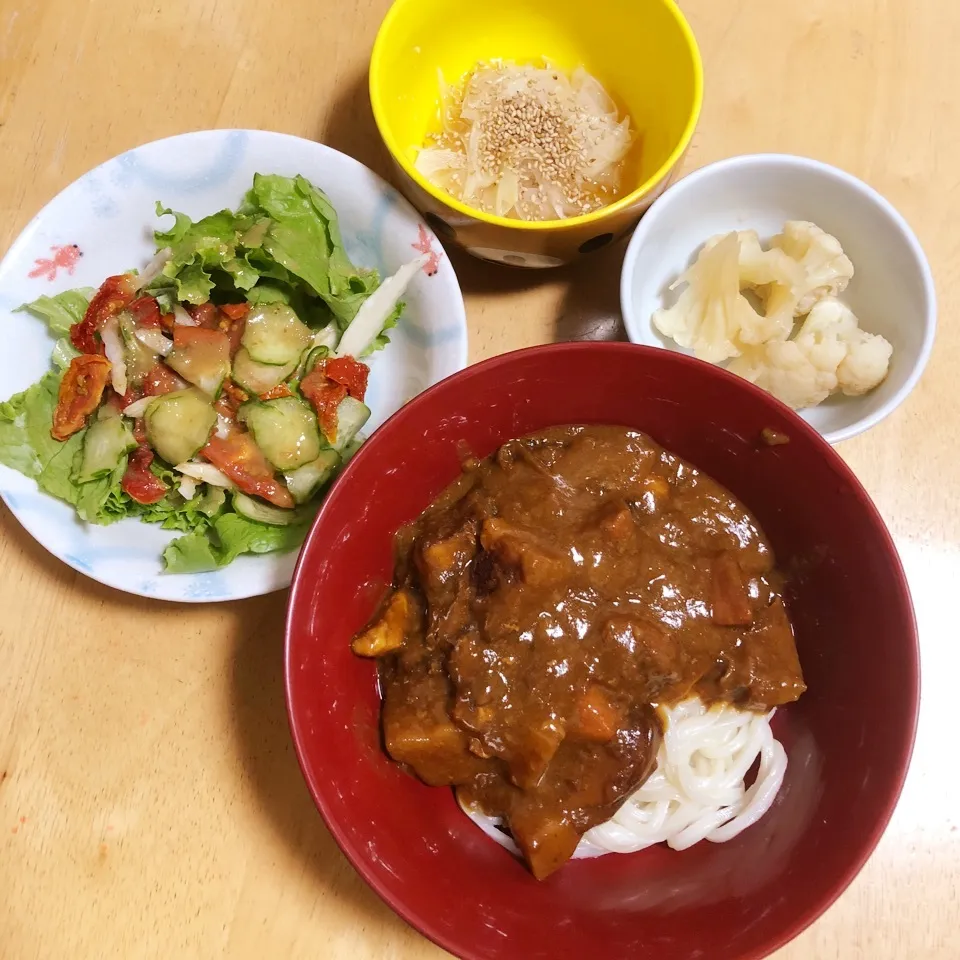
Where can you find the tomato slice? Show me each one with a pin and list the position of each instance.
(205, 314)
(111, 398)
(198, 338)
(81, 391)
(274, 393)
(139, 481)
(146, 311)
(235, 311)
(160, 380)
(233, 322)
(140, 430)
(325, 396)
(350, 373)
(114, 294)
(238, 456)
(231, 396)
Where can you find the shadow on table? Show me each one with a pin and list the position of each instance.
(590, 306)
(350, 128)
(590, 309)
(268, 758)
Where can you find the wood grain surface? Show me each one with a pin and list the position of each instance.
(150, 801)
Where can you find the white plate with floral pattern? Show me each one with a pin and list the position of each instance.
(102, 224)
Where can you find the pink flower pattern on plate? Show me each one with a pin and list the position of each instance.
(425, 245)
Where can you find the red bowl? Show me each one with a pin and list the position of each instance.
(848, 739)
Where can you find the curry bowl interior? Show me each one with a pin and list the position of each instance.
(848, 739)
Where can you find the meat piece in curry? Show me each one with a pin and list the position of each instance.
(543, 606)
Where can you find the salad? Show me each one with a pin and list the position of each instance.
(219, 391)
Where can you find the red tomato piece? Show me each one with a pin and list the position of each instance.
(205, 314)
(236, 336)
(160, 380)
(231, 396)
(131, 396)
(146, 311)
(139, 481)
(195, 337)
(114, 294)
(325, 397)
(238, 456)
(233, 322)
(274, 393)
(351, 373)
(234, 330)
(139, 430)
(235, 311)
(80, 393)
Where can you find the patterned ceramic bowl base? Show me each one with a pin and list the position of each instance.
(536, 249)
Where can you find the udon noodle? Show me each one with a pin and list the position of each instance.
(698, 789)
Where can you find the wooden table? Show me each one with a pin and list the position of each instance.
(150, 801)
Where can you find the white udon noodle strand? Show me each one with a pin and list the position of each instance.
(696, 791)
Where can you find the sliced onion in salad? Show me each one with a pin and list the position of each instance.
(154, 268)
(328, 336)
(153, 339)
(138, 408)
(367, 325)
(206, 473)
(113, 348)
(181, 318)
(188, 488)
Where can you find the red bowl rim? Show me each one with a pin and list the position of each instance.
(300, 585)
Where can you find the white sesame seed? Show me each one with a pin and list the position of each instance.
(535, 130)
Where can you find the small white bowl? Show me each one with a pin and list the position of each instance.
(892, 290)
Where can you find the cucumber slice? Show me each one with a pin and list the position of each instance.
(352, 447)
(305, 481)
(311, 358)
(201, 357)
(179, 424)
(256, 377)
(275, 335)
(351, 416)
(107, 441)
(285, 430)
(263, 512)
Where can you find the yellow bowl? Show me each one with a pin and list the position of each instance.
(642, 51)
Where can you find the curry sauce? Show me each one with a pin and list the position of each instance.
(547, 602)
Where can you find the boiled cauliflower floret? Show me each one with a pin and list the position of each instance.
(788, 371)
(712, 317)
(830, 352)
(833, 327)
(758, 267)
(825, 270)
